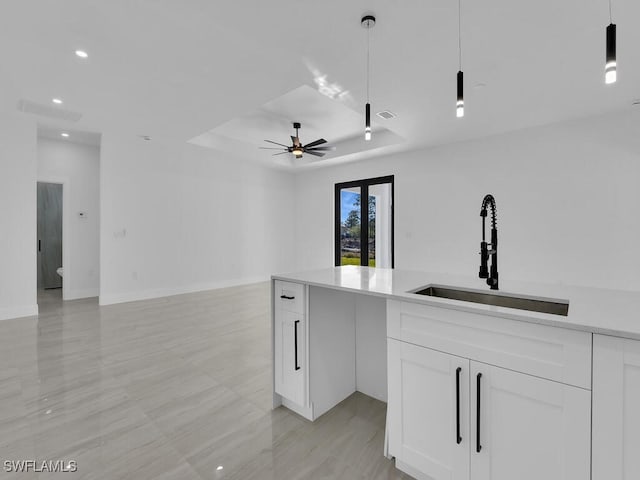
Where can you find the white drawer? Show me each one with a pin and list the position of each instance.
(554, 353)
(289, 296)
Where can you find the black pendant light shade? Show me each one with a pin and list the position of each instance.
(367, 122)
(610, 74)
(460, 98)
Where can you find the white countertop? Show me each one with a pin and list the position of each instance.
(608, 312)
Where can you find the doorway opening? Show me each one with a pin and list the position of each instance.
(50, 271)
(364, 228)
(68, 223)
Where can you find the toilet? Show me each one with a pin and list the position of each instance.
(60, 271)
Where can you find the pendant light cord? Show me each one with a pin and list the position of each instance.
(368, 59)
(610, 16)
(460, 37)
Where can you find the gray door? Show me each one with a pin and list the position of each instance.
(49, 234)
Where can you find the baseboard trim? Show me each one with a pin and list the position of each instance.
(114, 298)
(78, 294)
(8, 313)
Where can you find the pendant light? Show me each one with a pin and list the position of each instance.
(368, 22)
(460, 76)
(610, 73)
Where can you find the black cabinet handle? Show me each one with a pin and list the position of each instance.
(286, 297)
(458, 437)
(295, 343)
(39, 245)
(478, 446)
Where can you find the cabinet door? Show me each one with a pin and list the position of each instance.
(428, 412)
(290, 357)
(527, 428)
(616, 408)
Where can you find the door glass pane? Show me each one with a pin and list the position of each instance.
(350, 226)
(379, 231)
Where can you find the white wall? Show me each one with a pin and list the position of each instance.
(178, 218)
(17, 216)
(78, 166)
(568, 208)
(568, 198)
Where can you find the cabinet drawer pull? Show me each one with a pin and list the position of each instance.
(458, 437)
(295, 343)
(287, 297)
(478, 446)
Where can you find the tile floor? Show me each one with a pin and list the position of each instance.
(172, 388)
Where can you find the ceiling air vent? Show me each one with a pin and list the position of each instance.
(386, 114)
(27, 106)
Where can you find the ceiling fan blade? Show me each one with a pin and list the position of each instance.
(276, 143)
(320, 149)
(314, 153)
(279, 153)
(320, 141)
(270, 148)
(296, 141)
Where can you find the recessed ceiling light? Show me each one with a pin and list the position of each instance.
(65, 135)
(57, 101)
(82, 54)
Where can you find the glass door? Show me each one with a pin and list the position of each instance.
(380, 228)
(364, 228)
(350, 244)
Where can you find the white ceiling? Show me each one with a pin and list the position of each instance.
(320, 116)
(177, 69)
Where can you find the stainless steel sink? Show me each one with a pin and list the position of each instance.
(553, 306)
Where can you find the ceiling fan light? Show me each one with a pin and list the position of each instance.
(297, 152)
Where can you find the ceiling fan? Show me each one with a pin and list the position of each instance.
(298, 149)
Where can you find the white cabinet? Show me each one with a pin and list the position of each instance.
(527, 428)
(290, 342)
(616, 408)
(540, 350)
(289, 356)
(428, 413)
(314, 347)
(512, 425)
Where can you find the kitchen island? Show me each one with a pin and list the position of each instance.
(472, 389)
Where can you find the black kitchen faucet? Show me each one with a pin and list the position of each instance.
(492, 278)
